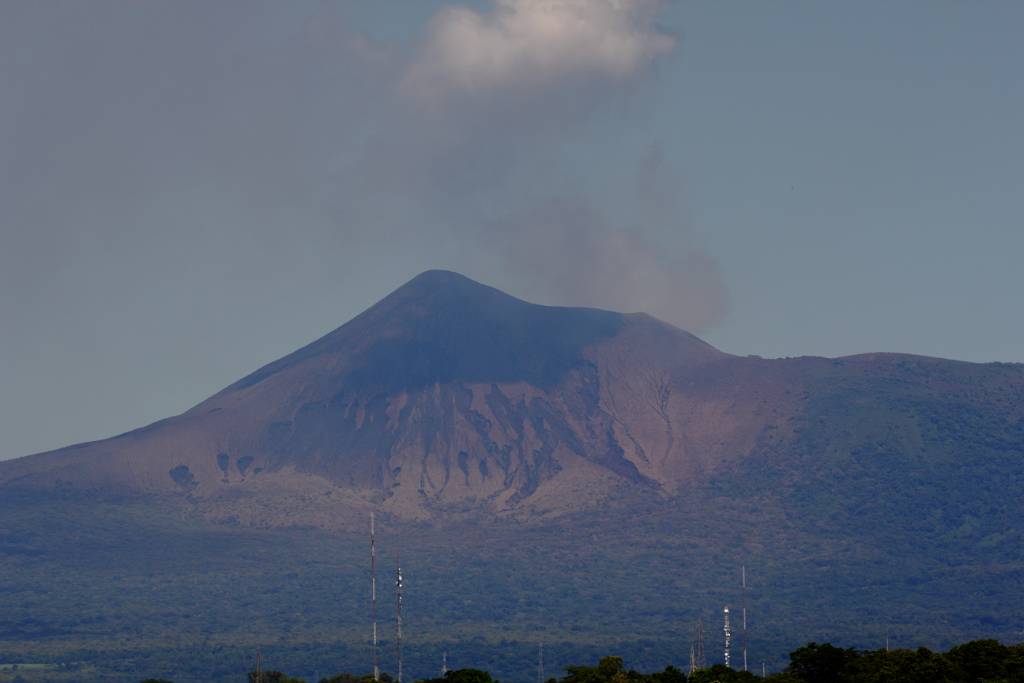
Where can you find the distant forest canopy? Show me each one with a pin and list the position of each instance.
(979, 661)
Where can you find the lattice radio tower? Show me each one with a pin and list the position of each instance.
(702, 660)
(728, 634)
(398, 614)
(373, 598)
(540, 662)
(743, 586)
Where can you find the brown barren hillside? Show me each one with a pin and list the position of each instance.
(450, 398)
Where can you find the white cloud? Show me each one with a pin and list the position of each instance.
(531, 44)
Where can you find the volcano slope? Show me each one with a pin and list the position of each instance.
(588, 478)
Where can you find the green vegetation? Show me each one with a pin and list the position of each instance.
(151, 590)
(900, 519)
(461, 676)
(612, 670)
(980, 661)
(272, 677)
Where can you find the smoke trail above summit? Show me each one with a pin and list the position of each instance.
(496, 110)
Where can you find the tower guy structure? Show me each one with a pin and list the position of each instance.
(698, 660)
(702, 657)
(727, 630)
(373, 598)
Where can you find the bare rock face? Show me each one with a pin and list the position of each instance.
(450, 398)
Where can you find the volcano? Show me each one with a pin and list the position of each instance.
(580, 464)
(445, 395)
(449, 396)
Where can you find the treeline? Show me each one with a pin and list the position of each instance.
(979, 661)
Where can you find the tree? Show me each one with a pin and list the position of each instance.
(980, 659)
(463, 676)
(782, 677)
(720, 673)
(351, 678)
(605, 672)
(670, 675)
(815, 663)
(907, 666)
(273, 677)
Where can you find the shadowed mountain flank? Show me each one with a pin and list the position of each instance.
(442, 327)
(451, 398)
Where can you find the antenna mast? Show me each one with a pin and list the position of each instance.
(743, 584)
(373, 597)
(728, 634)
(398, 614)
(693, 660)
(540, 662)
(444, 664)
(702, 660)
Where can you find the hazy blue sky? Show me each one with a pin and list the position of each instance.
(189, 190)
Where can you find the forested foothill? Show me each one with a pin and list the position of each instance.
(979, 661)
